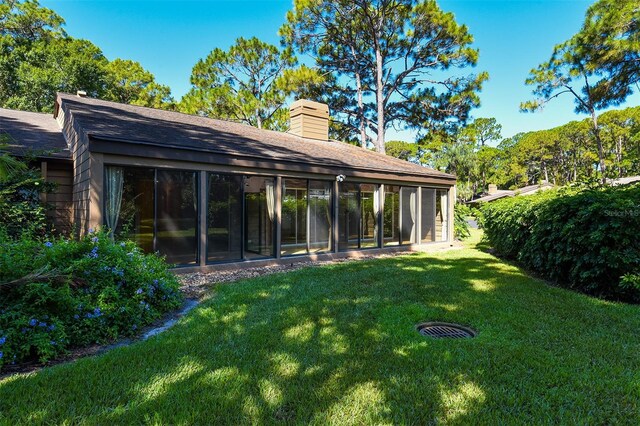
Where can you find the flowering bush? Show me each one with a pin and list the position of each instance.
(60, 294)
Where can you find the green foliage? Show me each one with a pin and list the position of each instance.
(597, 66)
(460, 226)
(38, 59)
(407, 151)
(383, 58)
(249, 83)
(128, 82)
(583, 238)
(21, 208)
(61, 294)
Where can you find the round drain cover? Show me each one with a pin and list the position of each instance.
(444, 329)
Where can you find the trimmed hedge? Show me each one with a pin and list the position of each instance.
(586, 239)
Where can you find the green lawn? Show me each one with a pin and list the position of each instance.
(337, 344)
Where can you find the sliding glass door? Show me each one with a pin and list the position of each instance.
(357, 216)
(319, 216)
(259, 220)
(158, 209)
(224, 217)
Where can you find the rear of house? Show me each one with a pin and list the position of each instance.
(207, 192)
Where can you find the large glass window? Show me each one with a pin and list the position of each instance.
(158, 209)
(369, 215)
(357, 216)
(134, 219)
(391, 222)
(408, 211)
(294, 217)
(319, 216)
(259, 220)
(177, 215)
(224, 217)
(428, 211)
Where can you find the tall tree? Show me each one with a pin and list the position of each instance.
(250, 83)
(484, 130)
(391, 61)
(583, 68)
(129, 83)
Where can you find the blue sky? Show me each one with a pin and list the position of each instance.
(168, 38)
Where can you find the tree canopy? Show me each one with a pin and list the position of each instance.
(38, 59)
(391, 63)
(249, 83)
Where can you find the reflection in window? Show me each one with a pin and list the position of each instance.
(224, 218)
(428, 212)
(319, 216)
(177, 215)
(369, 214)
(136, 213)
(259, 222)
(391, 215)
(294, 217)
(357, 216)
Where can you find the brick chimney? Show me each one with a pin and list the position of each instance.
(493, 188)
(309, 119)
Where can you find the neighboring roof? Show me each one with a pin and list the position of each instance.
(508, 193)
(33, 132)
(110, 121)
(625, 180)
(491, 197)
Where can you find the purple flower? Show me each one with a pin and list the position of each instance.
(33, 322)
(48, 244)
(134, 327)
(91, 230)
(53, 342)
(122, 244)
(76, 316)
(1, 354)
(94, 252)
(139, 291)
(52, 327)
(42, 324)
(97, 312)
(94, 240)
(3, 339)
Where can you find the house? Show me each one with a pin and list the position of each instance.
(208, 193)
(495, 194)
(624, 180)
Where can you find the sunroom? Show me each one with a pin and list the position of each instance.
(213, 194)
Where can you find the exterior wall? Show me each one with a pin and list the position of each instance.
(79, 147)
(60, 200)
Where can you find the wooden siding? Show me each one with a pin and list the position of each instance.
(79, 147)
(60, 201)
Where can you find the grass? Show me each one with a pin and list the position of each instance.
(337, 344)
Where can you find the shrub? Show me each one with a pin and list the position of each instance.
(60, 294)
(582, 238)
(460, 225)
(21, 209)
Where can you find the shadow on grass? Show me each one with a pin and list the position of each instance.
(338, 345)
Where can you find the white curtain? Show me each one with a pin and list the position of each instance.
(444, 202)
(114, 178)
(271, 199)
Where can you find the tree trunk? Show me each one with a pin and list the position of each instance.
(361, 124)
(619, 156)
(380, 102)
(596, 134)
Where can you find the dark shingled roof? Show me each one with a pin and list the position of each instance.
(127, 123)
(33, 132)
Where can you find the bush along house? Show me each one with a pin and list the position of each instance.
(212, 194)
